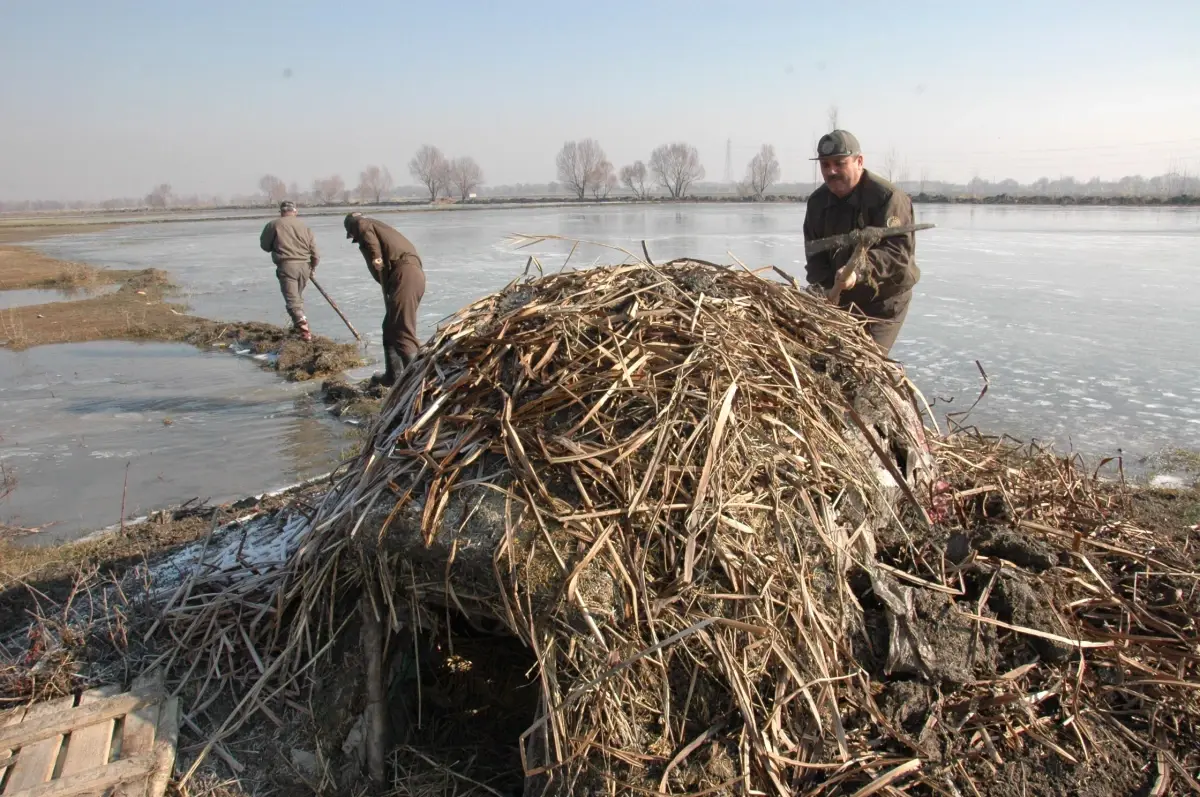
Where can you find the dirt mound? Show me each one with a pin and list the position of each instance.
(148, 281)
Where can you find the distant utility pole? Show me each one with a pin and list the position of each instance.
(816, 169)
(729, 160)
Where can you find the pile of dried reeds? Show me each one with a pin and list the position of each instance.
(686, 434)
(706, 514)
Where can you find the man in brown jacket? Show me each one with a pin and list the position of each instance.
(396, 266)
(853, 198)
(294, 252)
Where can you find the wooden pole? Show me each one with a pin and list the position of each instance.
(372, 637)
(336, 309)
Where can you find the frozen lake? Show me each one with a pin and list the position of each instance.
(1084, 318)
(190, 424)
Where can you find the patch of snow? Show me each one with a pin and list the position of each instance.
(259, 544)
(1168, 482)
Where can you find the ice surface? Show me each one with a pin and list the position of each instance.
(191, 424)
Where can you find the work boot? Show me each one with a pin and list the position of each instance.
(302, 329)
(396, 362)
(393, 363)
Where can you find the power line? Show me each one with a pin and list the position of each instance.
(1040, 150)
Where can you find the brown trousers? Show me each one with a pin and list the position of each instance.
(884, 318)
(403, 288)
(293, 279)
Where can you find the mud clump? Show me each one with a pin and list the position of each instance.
(278, 348)
(354, 402)
(1019, 600)
(301, 360)
(1019, 549)
(148, 280)
(906, 703)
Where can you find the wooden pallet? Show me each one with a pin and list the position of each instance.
(102, 743)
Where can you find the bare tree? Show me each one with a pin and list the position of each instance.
(374, 182)
(676, 166)
(832, 117)
(430, 168)
(924, 178)
(762, 171)
(634, 178)
(273, 188)
(602, 180)
(578, 162)
(160, 197)
(890, 162)
(329, 189)
(465, 175)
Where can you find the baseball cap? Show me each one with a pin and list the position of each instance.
(351, 223)
(838, 144)
(286, 205)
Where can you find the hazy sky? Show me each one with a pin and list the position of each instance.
(101, 99)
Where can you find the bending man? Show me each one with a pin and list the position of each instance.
(396, 266)
(850, 199)
(294, 252)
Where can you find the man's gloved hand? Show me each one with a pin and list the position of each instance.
(845, 279)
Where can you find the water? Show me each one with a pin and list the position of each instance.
(29, 296)
(190, 424)
(1083, 318)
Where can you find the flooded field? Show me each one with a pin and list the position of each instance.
(1082, 318)
(187, 424)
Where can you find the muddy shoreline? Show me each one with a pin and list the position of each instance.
(141, 310)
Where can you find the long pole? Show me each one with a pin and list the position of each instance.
(336, 309)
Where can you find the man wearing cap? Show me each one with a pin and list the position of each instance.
(394, 263)
(294, 252)
(880, 287)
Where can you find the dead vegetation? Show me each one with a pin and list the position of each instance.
(75, 277)
(25, 268)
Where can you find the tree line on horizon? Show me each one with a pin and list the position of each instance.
(583, 170)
